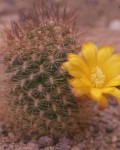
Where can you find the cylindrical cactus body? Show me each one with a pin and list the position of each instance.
(40, 96)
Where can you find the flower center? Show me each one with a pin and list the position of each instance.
(97, 77)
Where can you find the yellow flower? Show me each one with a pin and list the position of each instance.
(94, 72)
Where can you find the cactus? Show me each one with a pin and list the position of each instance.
(40, 97)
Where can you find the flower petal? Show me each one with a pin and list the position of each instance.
(112, 71)
(102, 103)
(99, 98)
(96, 93)
(71, 55)
(78, 83)
(113, 82)
(89, 51)
(104, 53)
(113, 91)
(73, 70)
(112, 66)
(77, 61)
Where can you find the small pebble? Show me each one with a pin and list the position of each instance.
(118, 140)
(49, 148)
(109, 128)
(75, 148)
(108, 140)
(115, 24)
(81, 145)
(64, 140)
(114, 139)
(63, 144)
(32, 146)
(11, 136)
(97, 146)
(26, 139)
(45, 141)
(94, 128)
(118, 144)
(62, 147)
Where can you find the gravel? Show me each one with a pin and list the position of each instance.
(45, 141)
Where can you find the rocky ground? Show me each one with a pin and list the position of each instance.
(104, 132)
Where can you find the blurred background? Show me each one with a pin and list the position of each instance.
(92, 13)
(100, 17)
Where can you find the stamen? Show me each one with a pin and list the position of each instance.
(97, 77)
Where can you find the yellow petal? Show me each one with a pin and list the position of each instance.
(104, 53)
(113, 82)
(78, 83)
(112, 71)
(73, 70)
(76, 74)
(112, 66)
(115, 58)
(65, 66)
(96, 93)
(72, 55)
(89, 51)
(77, 61)
(113, 91)
(102, 103)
